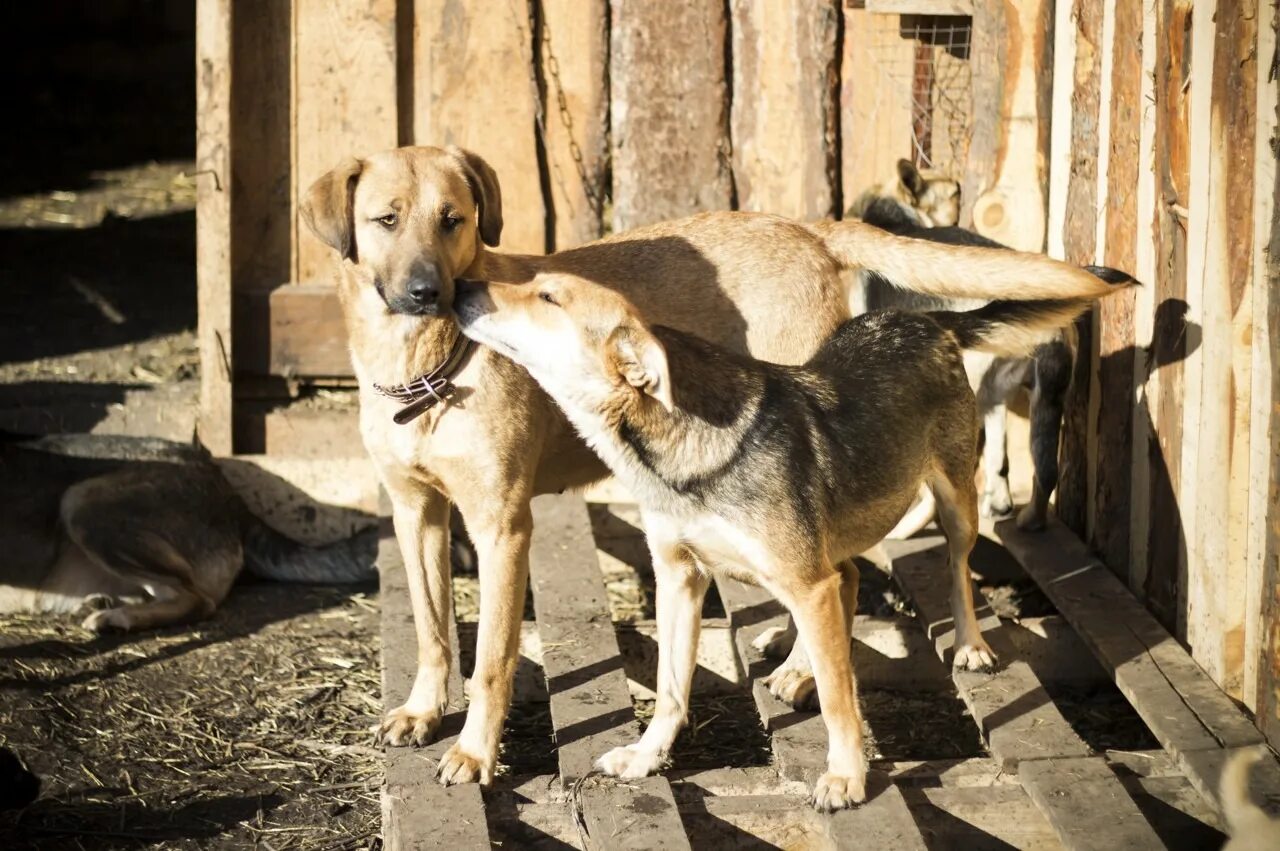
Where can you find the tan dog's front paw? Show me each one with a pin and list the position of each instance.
(838, 792)
(797, 689)
(996, 502)
(1031, 520)
(630, 762)
(975, 656)
(458, 766)
(775, 642)
(404, 726)
(107, 620)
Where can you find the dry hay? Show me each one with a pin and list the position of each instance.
(250, 728)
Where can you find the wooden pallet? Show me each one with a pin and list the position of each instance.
(1041, 786)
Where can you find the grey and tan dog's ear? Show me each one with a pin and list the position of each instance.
(327, 207)
(637, 356)
(911, 177)
(488, 194)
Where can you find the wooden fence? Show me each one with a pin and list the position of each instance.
(1139, 134)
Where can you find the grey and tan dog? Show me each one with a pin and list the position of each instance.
(408, 223)
(147, 531)
(775, 475)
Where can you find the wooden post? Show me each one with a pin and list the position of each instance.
(574, 56)
(213, 220)
(669, 111)
(1061, 123)
(875, 120)
(783, 118)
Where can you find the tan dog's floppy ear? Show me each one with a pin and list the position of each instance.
(327, 207)
(910, 177)
(637, 356)
(488, 194)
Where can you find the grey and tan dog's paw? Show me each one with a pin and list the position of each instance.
(775, 642)
(458, 766)
(108, 620)
(997, 501)
(838, 792)
(631, 762)
(1031, 520)
(405, 726)
(975, 656)
(797, 689)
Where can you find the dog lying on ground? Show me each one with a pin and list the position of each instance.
(147, 531)
(933, 198)
(775, 475)
(1248, 825)
(1046, 373)
(407, 223)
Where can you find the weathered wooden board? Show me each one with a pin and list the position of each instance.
(1087, 806)
(875, 114)
(920, 7)
(293, 331)
(473, 86)
(574, 55)
(1189, 715)
(669, 112)
(344, 66)
(417, 812)
(213, 220)
(590, 704)
(783, 120)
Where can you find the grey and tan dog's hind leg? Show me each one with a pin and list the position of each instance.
(1054, 364)
(792, 681)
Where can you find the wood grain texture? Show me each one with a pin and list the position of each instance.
(670, 112)
(783, 117)
(213, 221)
(1078, 796)
(474, 87)
(295, 331)
(875, 119)
(344, 101)
(574, 56)
(989, 60)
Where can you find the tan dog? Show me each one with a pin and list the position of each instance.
(774, 475)
(1248, 825)
(408, 222)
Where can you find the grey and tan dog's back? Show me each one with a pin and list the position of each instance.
(147, 527)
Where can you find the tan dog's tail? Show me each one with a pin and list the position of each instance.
(1233, 790)
(955, 271)
(1016, 328)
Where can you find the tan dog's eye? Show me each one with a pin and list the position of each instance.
(548, 298)
(450, 221)
(387, 221)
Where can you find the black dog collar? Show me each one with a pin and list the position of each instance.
(426, 391)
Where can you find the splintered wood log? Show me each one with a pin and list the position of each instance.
(783, 117)
(590, 703)
(474, 86)
(669, 111)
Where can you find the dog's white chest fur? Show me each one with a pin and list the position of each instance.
(720, 546)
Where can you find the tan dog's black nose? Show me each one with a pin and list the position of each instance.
(424, 289)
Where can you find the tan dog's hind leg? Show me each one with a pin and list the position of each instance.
(500, 528)
(819, 612)
(421, 517)
(792, 682)
(958, 515)
(681, 588)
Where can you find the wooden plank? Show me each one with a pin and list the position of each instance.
(783, 116)
(1087, 806)
(344, 102)
(455, 105)
(1113, 402)
(875, 118)
(1061, 125)
(1264, 512)
(1188, 714)
(1017, 717)
(299, 331)
(920, 7)
(213, 220)
(669, 111)
(262, 147)
(1218, 493)
(417, 812)
(574, 56)
(590, 704)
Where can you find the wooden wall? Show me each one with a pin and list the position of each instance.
(1164, 164)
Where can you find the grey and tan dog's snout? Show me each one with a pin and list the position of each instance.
(471, 301)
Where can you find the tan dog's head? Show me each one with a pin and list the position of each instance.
(585, 344)
(935, 197)
(409, 221)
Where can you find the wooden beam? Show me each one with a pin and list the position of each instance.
(418, 812)
(875, 118)
(669, 111)
(590, 704)
(1060, 130)
(783, 117)
(491, 111)
(1078, 796)
(213, 220)
(574, 59)
(920, 7)
(295, 331)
